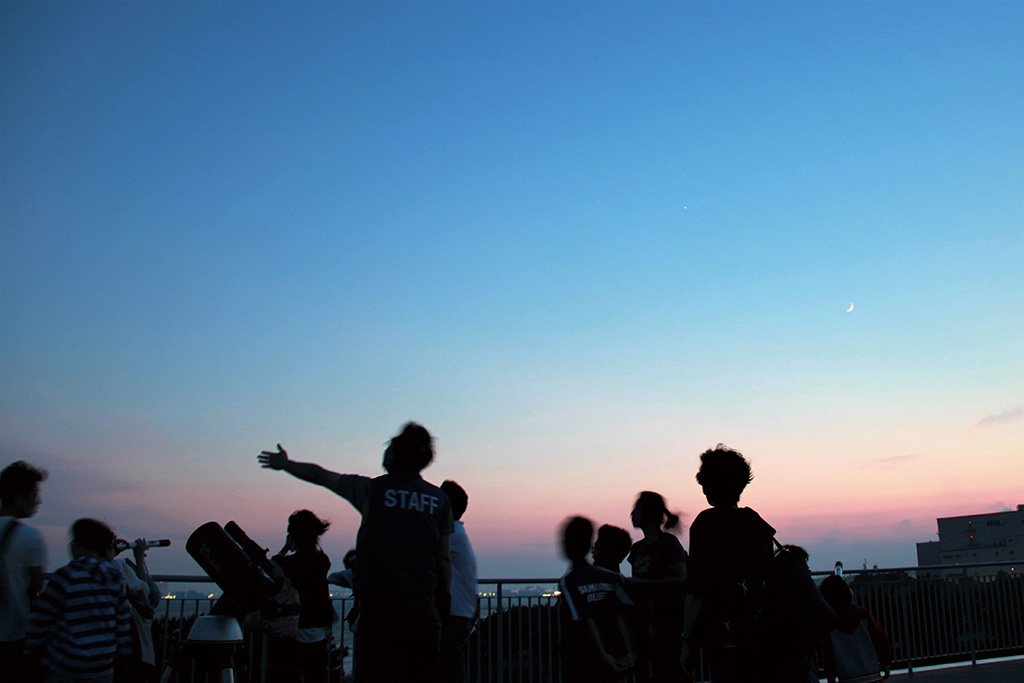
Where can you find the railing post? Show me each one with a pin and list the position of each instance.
(969, 598)
(908, 636)
(501, 634)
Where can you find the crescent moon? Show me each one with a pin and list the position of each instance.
(850, 308)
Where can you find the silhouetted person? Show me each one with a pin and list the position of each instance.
(857, 649)
(658, 575)
(610, 550)
(80, 625)
(465, 608)
(730, 548)
(305, 565)
(23, 556)
(344, 579)
(596, 639)
(143, 599)
(611, 547)
(793, 620)
(403, 572)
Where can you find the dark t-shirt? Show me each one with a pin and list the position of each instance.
(730, 549)
(598, 595)
(307, 570)
(398, 541)
(654, 561)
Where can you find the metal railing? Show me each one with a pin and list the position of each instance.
(933, 615)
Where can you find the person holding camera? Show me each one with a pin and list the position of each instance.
(143, 599)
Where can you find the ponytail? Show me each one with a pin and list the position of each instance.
(671, 521)
(652, 506)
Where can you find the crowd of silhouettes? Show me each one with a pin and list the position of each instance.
(739, 598)
(91, 619)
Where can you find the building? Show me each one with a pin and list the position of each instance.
(989, 537)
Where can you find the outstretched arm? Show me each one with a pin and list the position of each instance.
(307, 471)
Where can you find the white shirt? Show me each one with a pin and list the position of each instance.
(463, 574)
(25, 549)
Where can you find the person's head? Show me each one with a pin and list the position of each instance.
(19, 489)
(723, 475)
(836, 592)
(577, 536)
(92, 538)
(349, 561)
(611, 547)
(650, 510)
(305, 528)
(457, 496)
(411, 451)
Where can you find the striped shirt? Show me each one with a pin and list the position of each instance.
(81, 620)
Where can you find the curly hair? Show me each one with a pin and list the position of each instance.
(723, 474)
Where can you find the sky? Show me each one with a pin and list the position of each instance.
(581, 242)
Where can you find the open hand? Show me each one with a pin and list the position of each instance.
(273, 460)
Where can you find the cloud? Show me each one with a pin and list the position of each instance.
(1011, 415)
(891, 462)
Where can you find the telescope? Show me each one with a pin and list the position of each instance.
(237, 565)
(241, 568)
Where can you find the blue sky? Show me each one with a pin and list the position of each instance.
(580, 241)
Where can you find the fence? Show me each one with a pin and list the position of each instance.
(932, 615)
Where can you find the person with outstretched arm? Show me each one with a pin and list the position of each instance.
(403, 574)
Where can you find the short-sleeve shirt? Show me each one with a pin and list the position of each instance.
(598, 595)
(25, 549)
(404, 519)
(464, 579)
(654, 561)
